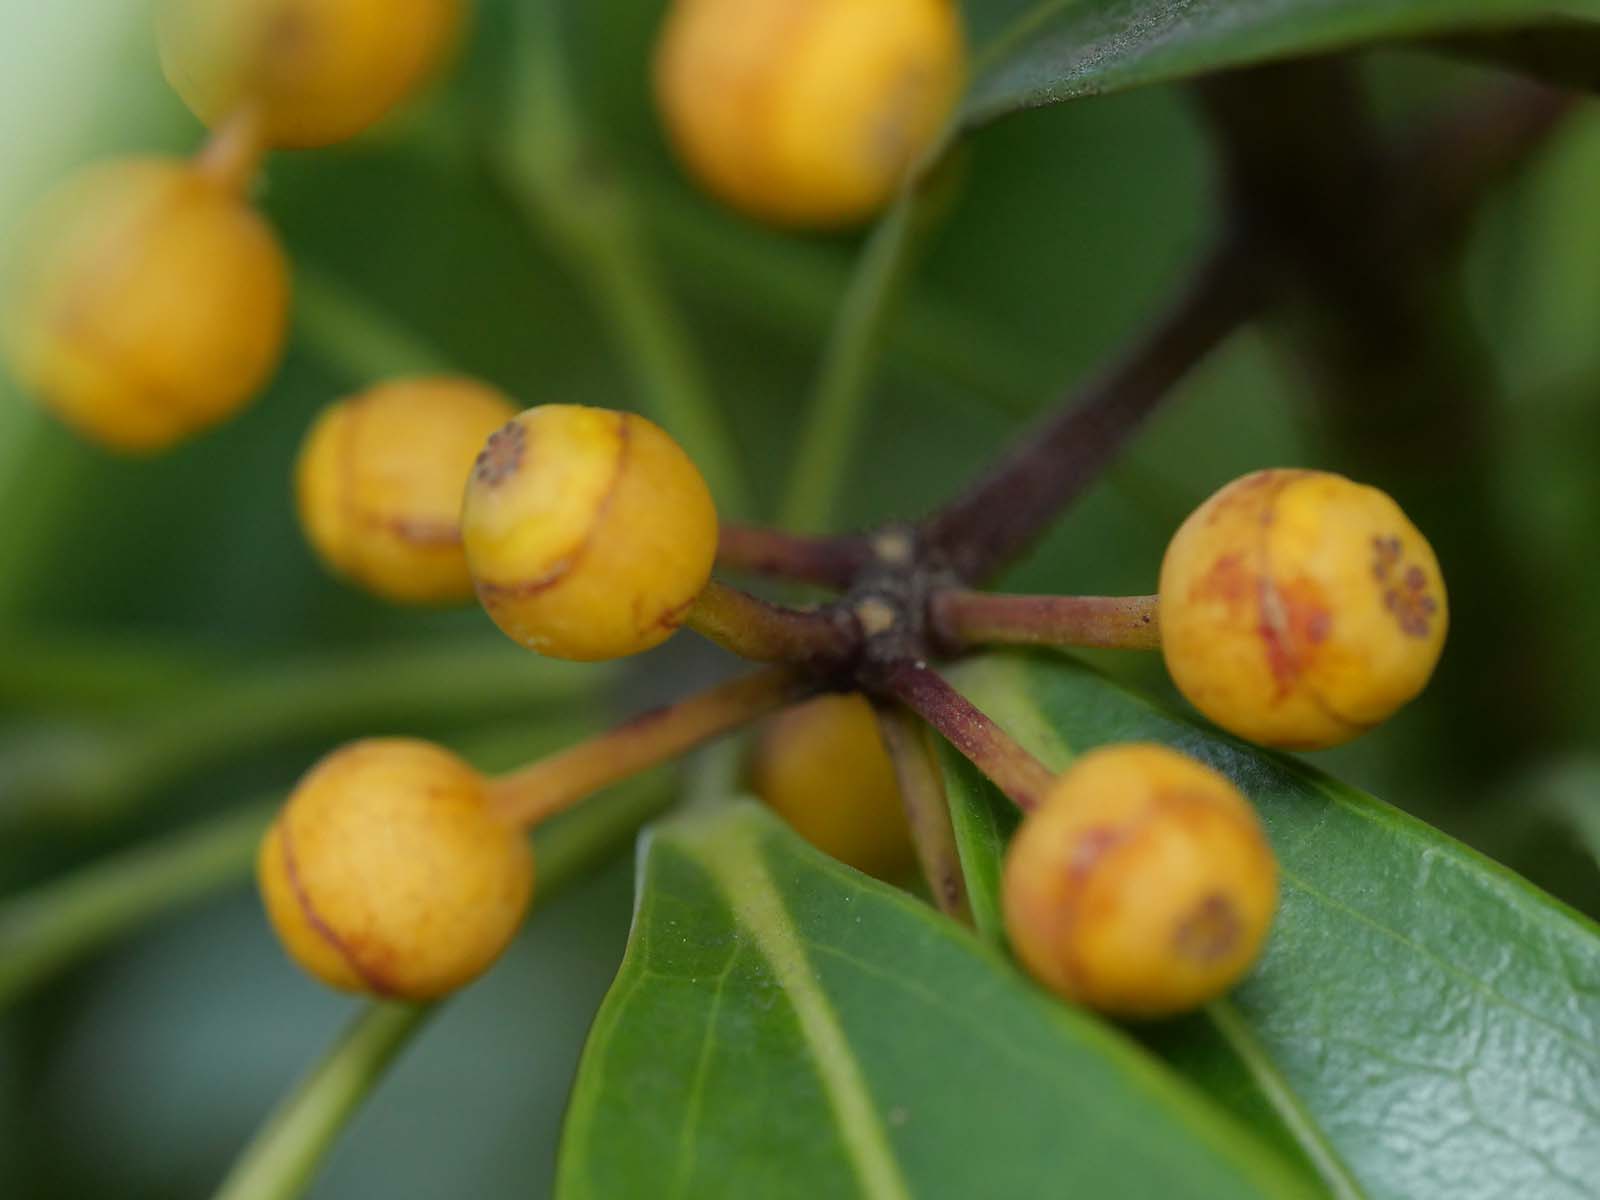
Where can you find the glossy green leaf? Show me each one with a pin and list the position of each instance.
(1047, 51)
(784, 1026)
(1423, 1023)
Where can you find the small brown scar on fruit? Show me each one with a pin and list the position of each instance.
(492, 593)
(287, 34)
(1405, 595)
(1227, 580)
(502, 455)
(672, 617)
(1272, 628)
(1210, 931)
(1091, 847)
(418, 531)
(374, 981)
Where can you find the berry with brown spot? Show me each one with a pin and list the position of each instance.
(379, 484)
(1299, 609)
(1141, 886)
(589, 533)
(387, 872)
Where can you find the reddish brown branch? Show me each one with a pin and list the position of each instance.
(752, 628)
(963, 618)
(826, 561)
(1444, 173)
(991, 749)
(1006, 510)
(539, 791)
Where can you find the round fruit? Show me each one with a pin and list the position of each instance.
(148, 302)
(807, 112)
(380, 480)
(321, 70)
(1299, 609)
(589, 533)
(1141, 886)
(822, 766)
(387, 872)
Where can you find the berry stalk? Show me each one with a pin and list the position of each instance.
(991, 749)
(539, 791)
(831, 562)
(231, 156)
(927, 810)
(966, 618)
(762, 632)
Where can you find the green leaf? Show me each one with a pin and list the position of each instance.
(1047, 51)
(1423, 1023)
(784, 1026)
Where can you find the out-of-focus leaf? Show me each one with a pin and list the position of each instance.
(1047, 51)
(784, 1026)
(1423, 1023)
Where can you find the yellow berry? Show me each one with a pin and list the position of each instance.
(321, 70)
(1141, 886)
(823, 768)
(807, 112)
(1299, 609)
(387, 872)
(589, 533)
(380, 479)
(148, 302)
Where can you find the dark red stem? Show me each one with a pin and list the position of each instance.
(991, 749)
(962, 618)
(1005, 511)
(831, 562)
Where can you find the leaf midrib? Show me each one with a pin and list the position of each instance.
(739, 872)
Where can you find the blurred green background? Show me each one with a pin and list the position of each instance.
(125, 583)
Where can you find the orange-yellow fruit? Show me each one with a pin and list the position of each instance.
(387, 872)
(1299, 609)
(380, 480)
(807, 112)
(823, 768)
(1141, 886)
(146, 302)
(589, 533)
(321, 70)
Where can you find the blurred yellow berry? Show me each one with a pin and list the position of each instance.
(380, 480)
(147, 302)
(589, 533)
(1141, 886)
(1299, 609)
(387, 873)
(807, 112)
(823, 768)
(321, 70)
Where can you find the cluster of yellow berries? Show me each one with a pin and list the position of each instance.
(149, 301)
(587, 534)
(1296, 608)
